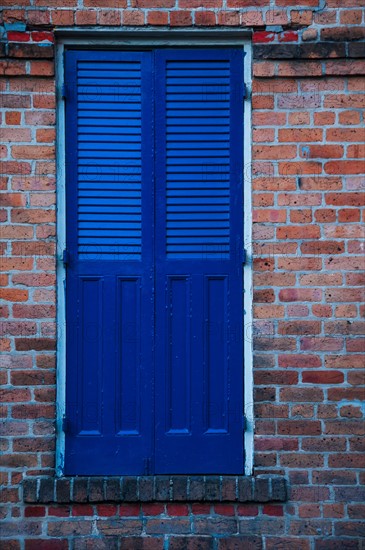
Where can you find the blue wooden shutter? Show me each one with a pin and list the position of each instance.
(109, 275)
(199, 365)
(154, 280)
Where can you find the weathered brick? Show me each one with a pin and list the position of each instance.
(112, 489)
(250, 542)
(30, 51)
(96, 489)
(245, 489)
(205, 18)
(109, 17)
(46, 490)
(130, 489)
(143, 543)
(66, 528)
(179, 487)
(168, 525)
(229, 18)
(146, 488)
(307, 282)
(80, 490)
(62, 17)
(129, 510)
(196, 489)
(133, 17)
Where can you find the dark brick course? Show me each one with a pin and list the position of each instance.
(263, 488)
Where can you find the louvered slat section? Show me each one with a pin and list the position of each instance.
(109, 159)
(198, 158)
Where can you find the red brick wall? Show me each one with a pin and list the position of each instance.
(307, 183)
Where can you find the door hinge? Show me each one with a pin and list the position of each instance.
(147, 467)
(246, 93)
(244, 256)
(244, 423)
(65, 258)
(65, 424)
(64, 91)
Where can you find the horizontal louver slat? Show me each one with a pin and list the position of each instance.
(197, 158)
(109, 112)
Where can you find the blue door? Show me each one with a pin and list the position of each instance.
(154, 375)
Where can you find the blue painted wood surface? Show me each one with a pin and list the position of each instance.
(199, 365)
(154, 369)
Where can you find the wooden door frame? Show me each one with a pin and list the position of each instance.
(127, 39)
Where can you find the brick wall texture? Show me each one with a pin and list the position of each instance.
(308, 194)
